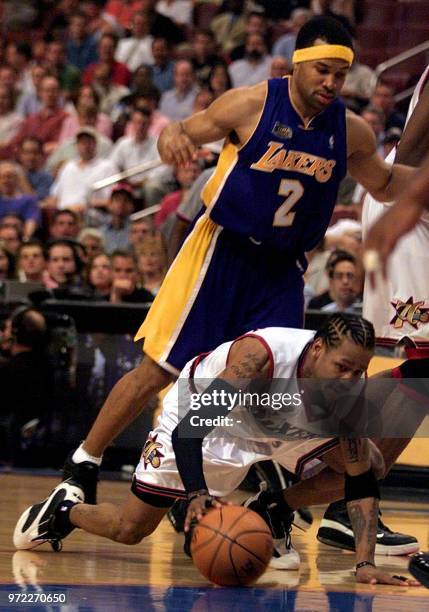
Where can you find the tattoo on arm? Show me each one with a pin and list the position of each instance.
(364, 523)
(353, 450)
(358, 521)
(249, 365)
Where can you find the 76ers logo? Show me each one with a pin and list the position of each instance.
(151, 454)
(409, 312)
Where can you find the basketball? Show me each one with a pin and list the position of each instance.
(231, 546)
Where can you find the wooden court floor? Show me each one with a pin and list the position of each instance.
(96, 574)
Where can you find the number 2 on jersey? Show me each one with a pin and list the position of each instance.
(293, 191)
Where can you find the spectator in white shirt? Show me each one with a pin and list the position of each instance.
(255, 66)
(137, 149)
(177, 103)
(73, 187)
(137, 49)
(179, 11)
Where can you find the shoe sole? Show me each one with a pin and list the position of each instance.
(418, 573)
(330, 536)
(23, 538)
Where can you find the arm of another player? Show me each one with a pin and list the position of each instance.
(248, 359)
(414, 143)
(397, 221)
(383, 181)
(362, 497)
(237, 109)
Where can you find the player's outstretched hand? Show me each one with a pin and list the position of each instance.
(372, 575)
(199, 505)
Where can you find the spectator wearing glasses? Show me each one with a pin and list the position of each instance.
(344, 284)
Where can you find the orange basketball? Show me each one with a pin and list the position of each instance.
(232, 546)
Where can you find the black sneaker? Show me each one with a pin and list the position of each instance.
(177, 514)
(419, 568)
(38, 523)
(277, 477)
(188, 538)
(285, 557)
(85, 475)
(336, 530)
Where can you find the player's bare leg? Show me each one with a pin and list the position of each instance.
(124, 403)
(127, 524)
(63, 510)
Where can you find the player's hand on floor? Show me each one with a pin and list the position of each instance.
(199, 505)
(372, 575)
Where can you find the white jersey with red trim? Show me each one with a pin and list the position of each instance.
(228, 452)
(399, 306)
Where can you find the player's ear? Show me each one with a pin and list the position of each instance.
(317, 348)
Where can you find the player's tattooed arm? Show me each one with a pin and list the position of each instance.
(361, 493)
(364, 517)
(248, 359)
(353, 450)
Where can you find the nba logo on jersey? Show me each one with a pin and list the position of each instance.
(282, 131)
(331, 142)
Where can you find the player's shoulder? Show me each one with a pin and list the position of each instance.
(252, 95)
(284, 337)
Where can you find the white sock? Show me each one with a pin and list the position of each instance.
(80, 455)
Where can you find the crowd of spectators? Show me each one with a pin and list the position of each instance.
(86, 86)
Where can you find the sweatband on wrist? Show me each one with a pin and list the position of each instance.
(189, 451)
(361, 486)
(364, 564)
(321, 52)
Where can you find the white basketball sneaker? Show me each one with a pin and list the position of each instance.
(38, 523)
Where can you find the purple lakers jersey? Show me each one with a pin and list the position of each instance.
(281, 186)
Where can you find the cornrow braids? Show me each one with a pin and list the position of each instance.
(341, 325)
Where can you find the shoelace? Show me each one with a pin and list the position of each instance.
(55, 541)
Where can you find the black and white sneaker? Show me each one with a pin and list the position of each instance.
(38, 523)
(336, 530)
(85, 475)
(285, 557)
(419, 568)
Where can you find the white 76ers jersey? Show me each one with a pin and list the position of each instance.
(399, 306)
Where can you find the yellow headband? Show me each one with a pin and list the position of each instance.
(320, 52)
